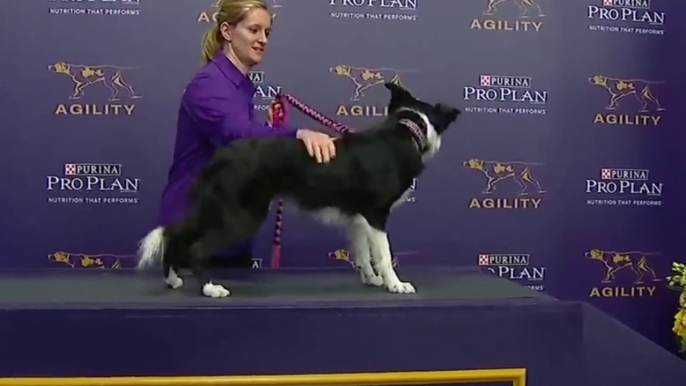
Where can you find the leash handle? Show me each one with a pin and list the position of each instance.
(278, 114)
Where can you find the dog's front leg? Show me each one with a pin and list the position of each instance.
(359, 246)
(383, 261)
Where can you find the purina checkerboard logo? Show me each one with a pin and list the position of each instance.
(624, 187)
(626, 16)
(120, 8)
(92, 183)
(514, 266)
(506, 94)
(380, 10)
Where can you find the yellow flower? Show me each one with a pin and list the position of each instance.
(679, 280)
(680, 323)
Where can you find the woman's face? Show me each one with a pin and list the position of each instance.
(248, 39)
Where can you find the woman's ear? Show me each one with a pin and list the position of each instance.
(226, 30)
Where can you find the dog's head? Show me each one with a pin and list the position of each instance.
(440, 115)
(60, 68)
(437, 117)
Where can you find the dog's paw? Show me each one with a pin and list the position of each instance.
(215, 291)
(372, 280)
(174, 281)
(401, 288)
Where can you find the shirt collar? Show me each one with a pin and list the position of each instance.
(230, 70)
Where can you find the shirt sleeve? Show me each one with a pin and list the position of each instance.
(223, 117)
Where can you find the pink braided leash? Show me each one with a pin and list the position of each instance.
(278, 116)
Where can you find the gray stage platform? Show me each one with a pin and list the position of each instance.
(100, 323)
(69, 288)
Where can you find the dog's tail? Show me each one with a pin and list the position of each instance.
(151, 248)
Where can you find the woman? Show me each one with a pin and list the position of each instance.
(216, 108)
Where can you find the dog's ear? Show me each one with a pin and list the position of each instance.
(447, 113)
(398, 90)
(400, 96)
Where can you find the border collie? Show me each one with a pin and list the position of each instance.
(371, 174)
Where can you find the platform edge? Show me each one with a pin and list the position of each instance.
(517, 376)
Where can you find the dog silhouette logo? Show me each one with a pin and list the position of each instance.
(615, 261)
(496, 171)
(84, 76)
(82, 260)
(524, 6)
(363, 78)
(344, 255)
(341, 255)
(619, 88)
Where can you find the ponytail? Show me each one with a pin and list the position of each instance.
(210, 43)
(232, 12)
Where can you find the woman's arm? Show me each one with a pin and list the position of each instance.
(222, 115)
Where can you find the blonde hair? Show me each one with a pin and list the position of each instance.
(232, 12)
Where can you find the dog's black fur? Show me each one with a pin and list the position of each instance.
(370, 173)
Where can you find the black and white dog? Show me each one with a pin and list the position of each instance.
(372, 173)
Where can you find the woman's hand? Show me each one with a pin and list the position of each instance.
(319, 145)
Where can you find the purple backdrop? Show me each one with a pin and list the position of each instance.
(577, 99)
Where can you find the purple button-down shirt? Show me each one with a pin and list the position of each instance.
(216, 108)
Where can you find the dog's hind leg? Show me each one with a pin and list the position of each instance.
(374, 227)
(200, 252)
(186, 247)
(359, 246)
(169, 266)
(240, 225)
(170, 258)
(171, 277)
